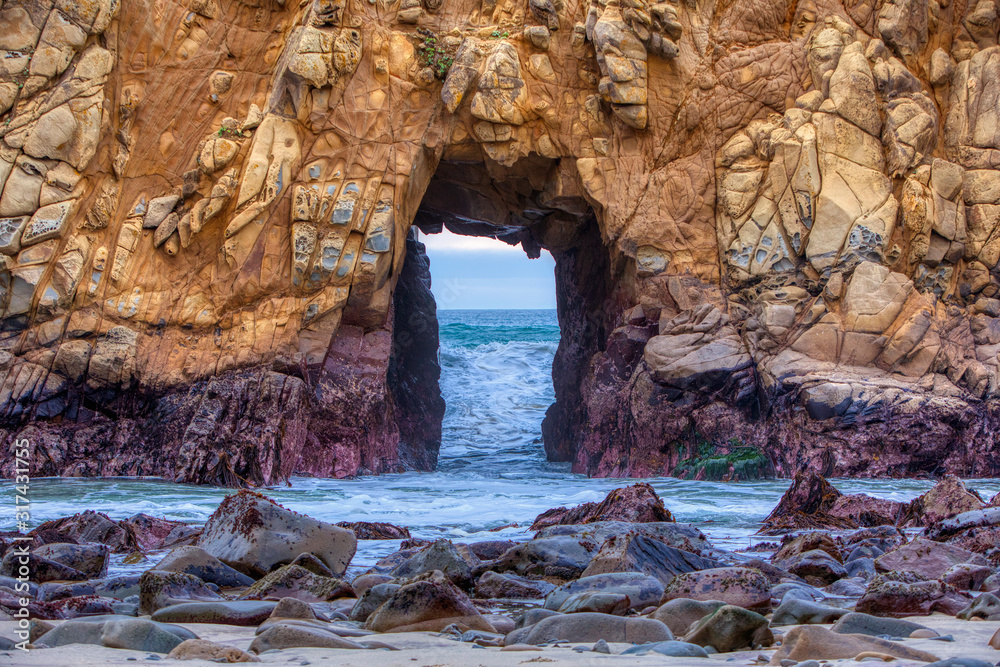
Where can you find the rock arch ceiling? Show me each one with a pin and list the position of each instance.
(775, 225)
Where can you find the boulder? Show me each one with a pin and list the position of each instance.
(988, 517)
(995, 640)
(794, 590)
(562, 558)
(864, 510)
(292, 635)
(681, 613)
(681, 536)
(731, 628)
(136, 634)
(800, 544)
(292, 608)
(136, 533)
(948, 498)
(494, 585)
(672, 649)
(428, 602)
(365, 581)
(313, 564)
(441, 556)
(74, 607)
(532, 616)
(502, 623)
(488, 549)
(812, 503)
(852, 587)
(926, 558)
(805, 505)
(591, 628)
(775, 575)
(202, 649)
(198, 562)
(297, 582)
(375, 530)
(642, 590)
(986, 606)
(812, 642)
(238, 612)
(33, 588)
(617, 604)
(861, 568)
(39, 568)
(856, 623)
(864, 551)
(162, 589)
(92, 527)
(633, 504)
(739, 586)
(390, 562)
(885, 597)
(118, 588)
(91, 559)
(884, 538)
(253, 534)
(638, 553)
(372, 599)
(967, 577)
(151, 533)
(37, 628)
(816, 566)
(985, 541)
(804, 612)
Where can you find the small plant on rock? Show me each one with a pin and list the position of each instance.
(434, 55)
(230, 132)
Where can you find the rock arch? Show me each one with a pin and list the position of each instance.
(774, 228)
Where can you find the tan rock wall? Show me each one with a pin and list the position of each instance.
(188, 190)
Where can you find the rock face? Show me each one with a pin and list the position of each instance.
(775, 228)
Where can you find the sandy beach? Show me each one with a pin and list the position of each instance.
(426, 649)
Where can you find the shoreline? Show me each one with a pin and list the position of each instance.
(589, 571)
(426, 649)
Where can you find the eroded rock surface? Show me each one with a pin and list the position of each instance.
(776, 231)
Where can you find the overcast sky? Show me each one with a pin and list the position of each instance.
(469, 272)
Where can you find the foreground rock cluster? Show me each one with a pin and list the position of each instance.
(776, 228)
(278, 580)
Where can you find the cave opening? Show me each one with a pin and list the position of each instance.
(512, 376)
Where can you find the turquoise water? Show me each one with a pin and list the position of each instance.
(496, 379)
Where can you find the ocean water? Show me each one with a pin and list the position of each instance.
(492, 478)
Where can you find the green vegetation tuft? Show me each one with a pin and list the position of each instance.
(710, 465)
(433, 55)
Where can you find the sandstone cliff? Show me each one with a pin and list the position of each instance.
(776, 225)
